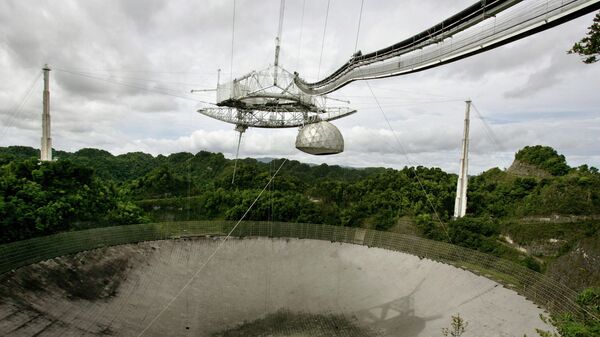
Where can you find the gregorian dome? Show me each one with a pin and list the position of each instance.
(320, 138)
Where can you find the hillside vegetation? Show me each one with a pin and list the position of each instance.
(540, 212)
(92, 187)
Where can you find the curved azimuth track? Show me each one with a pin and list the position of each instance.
(478, 28)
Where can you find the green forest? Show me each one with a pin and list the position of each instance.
(91, 188)
(539, 212)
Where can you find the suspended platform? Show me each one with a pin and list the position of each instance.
(270, 99)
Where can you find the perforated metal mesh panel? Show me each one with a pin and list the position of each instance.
(320, 138)
(321, 270)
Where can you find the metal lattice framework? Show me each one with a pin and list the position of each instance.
(274, 119)
(480, 27)
(268, 89)
(270, 99)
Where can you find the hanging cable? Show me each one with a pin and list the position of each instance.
(301, 32)
(278, 42)
(323, 41)
(189, 179)
(405, 153)
(129, 78)
(118, 80)
(135, 86)
(418, 93)
(362, 2)
(17, 108)
(281, 15)
(488, 130)
(404, 104)
(195, 275)
(232, 44)
(149, 71)
(237, 153)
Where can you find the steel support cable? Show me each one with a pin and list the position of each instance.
(490, 133)
(237, 153)
(149, 71)
(212, 255)
(519, 23)
(12, 113)
(114, 76)
(388, 100)
(421, 93)
(323, 40)
(232, 44)
(301, 35)
(404, 104)
(113, 80)
(270, 223)
(278, 42)
(362, 3)
(405, 153)
(281, 15)
(162, 91)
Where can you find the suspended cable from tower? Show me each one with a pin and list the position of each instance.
(323, 40)
(488, 130)
(415, 173)
(12, 113)
(362, 3)
(232, 42)
(298, 59)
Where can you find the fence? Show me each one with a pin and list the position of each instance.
(542, 290)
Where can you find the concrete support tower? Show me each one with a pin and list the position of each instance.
(46, 149)
(460, 205)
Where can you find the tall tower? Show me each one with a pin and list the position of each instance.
(46, 149)
(460, 205)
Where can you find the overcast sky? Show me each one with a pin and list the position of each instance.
(530, 92)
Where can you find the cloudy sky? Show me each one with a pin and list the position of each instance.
(122, 72)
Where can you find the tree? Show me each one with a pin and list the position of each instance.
(584, 325)
(457, 327)
(545, 158)
(589, 47)
(44, 198)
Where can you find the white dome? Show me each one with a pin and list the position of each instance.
(320, 138)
